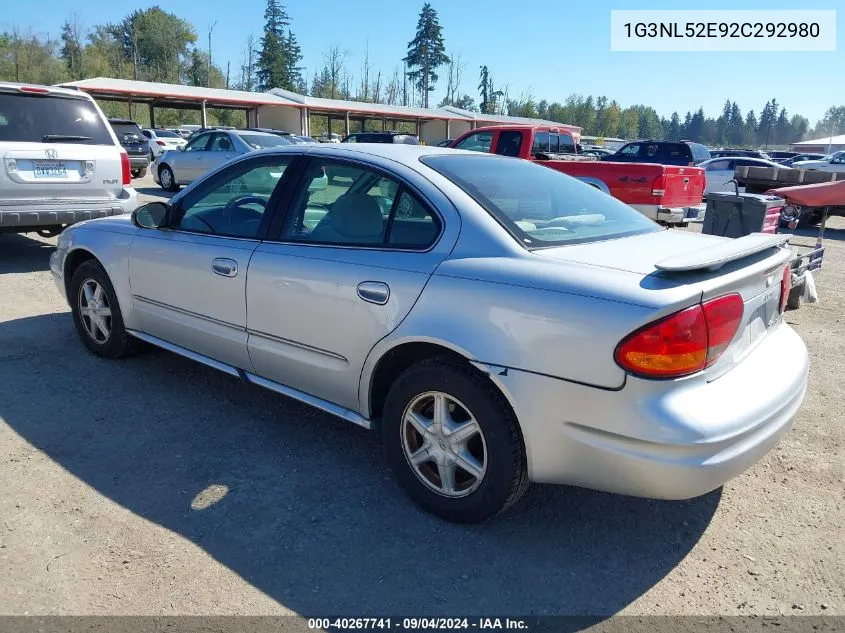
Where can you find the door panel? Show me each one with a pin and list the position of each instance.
(359, 248)
(189, 280)
(309, 328)
(178, 297)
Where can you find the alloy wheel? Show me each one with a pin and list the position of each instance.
(444, 444)
(95, 311)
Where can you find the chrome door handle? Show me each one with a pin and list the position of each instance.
(374, 292)
(224, 266)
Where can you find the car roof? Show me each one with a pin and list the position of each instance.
(122, 121)
(69, 92)
(249, 132)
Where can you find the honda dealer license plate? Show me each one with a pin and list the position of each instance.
(50, 169)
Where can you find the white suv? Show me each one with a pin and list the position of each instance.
(61, 162)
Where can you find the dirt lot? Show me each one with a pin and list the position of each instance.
(158, 486)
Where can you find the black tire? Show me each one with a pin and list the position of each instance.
(173, 186)
(139, 173)
(118, 343)
(505, 478)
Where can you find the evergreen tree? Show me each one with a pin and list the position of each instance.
(426, 52)
(675, 127)
(273, 63)
(484, 81)
(293, 59)
(71, 50)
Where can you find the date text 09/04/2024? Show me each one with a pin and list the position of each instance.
(722, 29)
(417, 624)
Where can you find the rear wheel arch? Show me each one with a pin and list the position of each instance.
(397, 359)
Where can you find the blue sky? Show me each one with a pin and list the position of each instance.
(548, 48)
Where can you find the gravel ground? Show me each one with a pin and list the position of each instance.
(158, 486)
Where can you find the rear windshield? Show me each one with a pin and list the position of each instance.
(47, 118)
(127, 132)
(166, 134)
(260, 141)
(538, 205)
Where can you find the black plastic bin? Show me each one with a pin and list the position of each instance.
(738, 214)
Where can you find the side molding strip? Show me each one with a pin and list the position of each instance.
(314, 401)
(317, 403)
(170, 347)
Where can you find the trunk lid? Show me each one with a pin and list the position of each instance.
(705, 267)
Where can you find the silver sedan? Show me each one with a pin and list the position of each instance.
(497, 321)
(206, 152)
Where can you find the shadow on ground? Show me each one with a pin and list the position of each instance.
(21, 254)
(312, 518)
(155, 192)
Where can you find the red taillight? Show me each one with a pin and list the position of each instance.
(682, 343)
(162, 143)
(658, 187)
(35, 89)
(125, 168)
(785, 287)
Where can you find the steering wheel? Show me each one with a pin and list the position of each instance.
(247, 199)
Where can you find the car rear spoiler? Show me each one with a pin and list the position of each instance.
(714, 257)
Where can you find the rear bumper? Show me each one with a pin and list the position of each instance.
(139, 162)
(13, 217)
(661, 439)
(672, 215)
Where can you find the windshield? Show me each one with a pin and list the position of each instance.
(166, 134)
(47, 118)
(538, 205)
(260, 141)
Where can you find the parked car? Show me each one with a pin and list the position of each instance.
(159, 141)
(831, 162)
(800, 157)
(662, 152)
(296, 139)
(669, 194)
(62, 162)
(596, 151)
(381, 137)
(719, 172)
(735, 153)
(327, 137)
(185, 131)
(207, 151)
(779, 156)
(590, 346)
(133, 141)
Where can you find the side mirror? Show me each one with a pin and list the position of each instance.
(181, 148)
(151, 215)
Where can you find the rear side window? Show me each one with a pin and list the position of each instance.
(537, 205)
(541, 143)
(349, 205)
(699, 152)
(565, 144)
(678, 153)
(51, 119)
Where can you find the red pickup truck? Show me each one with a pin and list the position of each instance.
(666, 193)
